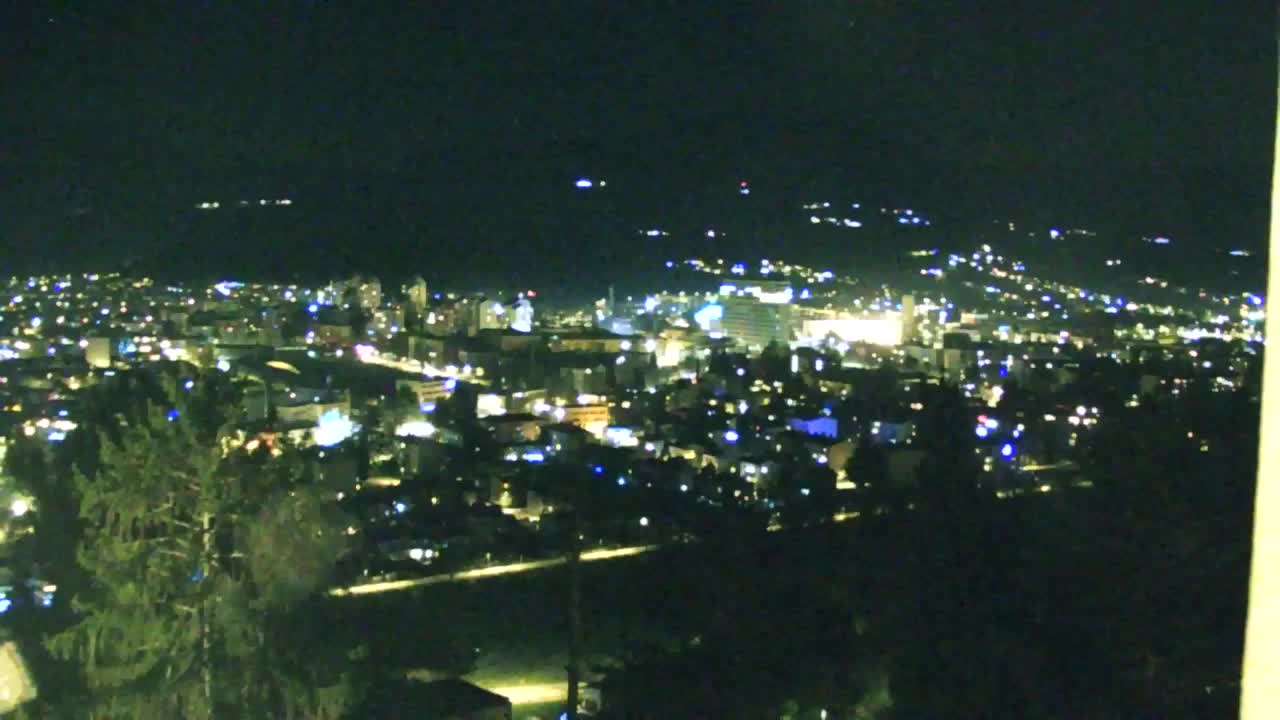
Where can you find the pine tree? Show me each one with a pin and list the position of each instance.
(181, 617)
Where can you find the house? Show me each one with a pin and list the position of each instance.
(514, 428)
(822, 425)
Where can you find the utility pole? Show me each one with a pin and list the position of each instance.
(573, 668)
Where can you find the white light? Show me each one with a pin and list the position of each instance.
(332, 428)
(20, 507)
(416, 554)
(223, 365)
(415, 428)
(644, 522)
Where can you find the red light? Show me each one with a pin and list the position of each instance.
(532, 294)
(982, 418)
(742, 184)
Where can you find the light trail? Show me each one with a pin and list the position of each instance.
(488, 572)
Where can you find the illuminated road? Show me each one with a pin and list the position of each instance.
(487, 572)
(373, 357)
(532, 694)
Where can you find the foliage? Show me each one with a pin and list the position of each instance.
(182, 542)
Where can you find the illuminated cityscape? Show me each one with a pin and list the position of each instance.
(853, 361)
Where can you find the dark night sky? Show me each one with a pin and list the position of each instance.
(458, 125)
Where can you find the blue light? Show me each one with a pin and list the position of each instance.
(981, 431)
(332, 428)
(621, 481)
(707, 315)
(598, 469)
(5, 604)
(313, 308)
(173, 415)
(57, 436)
(427, 407)
(451, 384)
(401, 507)
(583, 183)
(1006, 450)
(1004, 371)
(534, 457)
(731, 436)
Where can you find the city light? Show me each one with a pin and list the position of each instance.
(415, 428)
(332, 428)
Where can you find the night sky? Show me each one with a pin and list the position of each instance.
(408, 130)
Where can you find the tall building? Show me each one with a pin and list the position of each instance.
(908, 317)
(369, 293)
(481, 313)
(416, 294)
(755, 324)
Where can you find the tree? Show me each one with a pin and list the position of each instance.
(194, 553)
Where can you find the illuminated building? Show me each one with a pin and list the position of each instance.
(514, 427)
(490, 404)
(876, 330)
(821, 425)
(908, 316)
(97, 352)
(591, 340)
(481, 313)
(755, 324)
(416, 295)
(368, 292)
(592, 418)
(428, 391)
(522, 315)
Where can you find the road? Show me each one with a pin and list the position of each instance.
(373, 357)
(488, 572)
(515, 568)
